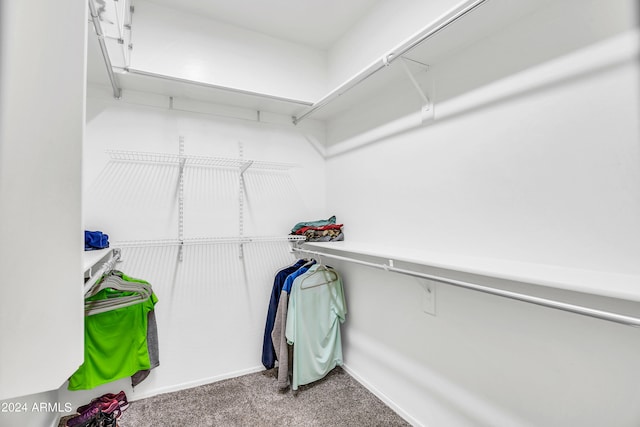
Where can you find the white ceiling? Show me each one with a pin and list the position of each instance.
(316, 23)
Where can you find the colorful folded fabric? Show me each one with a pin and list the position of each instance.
(318, 223)
(331, 235)
(303, 230)
(323, 230)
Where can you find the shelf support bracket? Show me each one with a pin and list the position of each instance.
(427, 103)
(244, 166)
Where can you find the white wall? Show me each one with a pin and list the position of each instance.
(212, 305)
(558, 188)
(37, 410)
(191, 47)
(510, 119)
(548, 173)
(42, 74)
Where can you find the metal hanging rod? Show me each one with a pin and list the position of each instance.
(117, 91)
(387, 59)
(558, 305)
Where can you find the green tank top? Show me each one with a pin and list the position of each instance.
(115, 342)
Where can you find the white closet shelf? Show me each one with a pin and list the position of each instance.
(197, 161)
(171, 86)
(599, 283)
(146, 81)
(461, 26)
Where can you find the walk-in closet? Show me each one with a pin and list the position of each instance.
(320, 213)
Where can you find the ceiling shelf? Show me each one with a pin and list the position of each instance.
(463, 25)
(145, 81)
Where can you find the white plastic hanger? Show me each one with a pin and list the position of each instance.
(142, 292)
(321, 268)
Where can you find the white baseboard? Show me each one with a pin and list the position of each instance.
(191, 384)
(380, 395)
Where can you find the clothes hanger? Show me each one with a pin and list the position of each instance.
(328, 279)
(117, 283)
(95, 307)
(141, 292)
(135, 296)
(309, 263)
(321, 268)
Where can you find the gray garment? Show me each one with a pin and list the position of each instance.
(152, 346)
(283, 350)
(152, 340)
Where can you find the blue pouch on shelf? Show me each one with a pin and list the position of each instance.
(95, 240)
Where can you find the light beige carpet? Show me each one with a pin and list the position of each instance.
(253, 400)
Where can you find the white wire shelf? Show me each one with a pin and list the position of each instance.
(196, 161)
(206, 241)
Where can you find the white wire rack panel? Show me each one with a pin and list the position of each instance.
(207, 241)
(197, 161)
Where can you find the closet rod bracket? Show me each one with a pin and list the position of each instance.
(427, 103)
(428, 296)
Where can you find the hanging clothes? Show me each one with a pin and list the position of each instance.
(316, 308)
(154, 351)
(268, 351)
(278, 334)
(116, 343)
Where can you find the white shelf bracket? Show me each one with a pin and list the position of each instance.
(244, 166)
(427, 103)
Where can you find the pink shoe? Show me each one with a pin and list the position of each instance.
(92, 411)
(120, 397)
